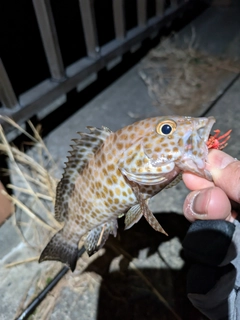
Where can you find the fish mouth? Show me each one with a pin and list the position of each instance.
(196, 150)
(205, 127)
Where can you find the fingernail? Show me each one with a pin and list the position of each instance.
(199, 203)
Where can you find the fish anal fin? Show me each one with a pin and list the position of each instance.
(62, 250)
(133, 215)
(97, 237)
(147, 213)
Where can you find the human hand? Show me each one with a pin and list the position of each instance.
(211, 200)
(212, 244)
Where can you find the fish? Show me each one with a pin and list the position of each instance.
(112, 174)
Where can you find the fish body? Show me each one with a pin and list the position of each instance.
(109, 174)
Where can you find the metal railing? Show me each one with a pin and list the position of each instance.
(63, 79)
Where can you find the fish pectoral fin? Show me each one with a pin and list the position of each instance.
(133, 215)
(147, 213)
(153, 221)
(97, 237)
(61, 249)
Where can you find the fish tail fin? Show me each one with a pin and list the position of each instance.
(61, 249)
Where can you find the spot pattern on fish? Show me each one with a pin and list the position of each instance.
(108, 173)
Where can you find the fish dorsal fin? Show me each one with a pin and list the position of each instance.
(83, 149)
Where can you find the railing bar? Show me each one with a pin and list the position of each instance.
(89, 27)
(7, 95)
(142, 12)
(119, 19)
(79, 70)
(160, 7)
(48, 33)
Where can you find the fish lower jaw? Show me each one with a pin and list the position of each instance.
(197, 167)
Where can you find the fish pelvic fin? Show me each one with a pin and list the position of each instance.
(147, 213)
(61, 249)
(133, 215)
(97, 237)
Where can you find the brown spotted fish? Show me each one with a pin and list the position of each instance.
(110, 174)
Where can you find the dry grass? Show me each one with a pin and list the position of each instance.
(181, 80)
(33, 186)
(34, 191)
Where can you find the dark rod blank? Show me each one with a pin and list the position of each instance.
(32, 306)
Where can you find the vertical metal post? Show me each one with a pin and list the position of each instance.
(160, 7)
(89, 27)
(7, 95)
(119, 20)
(48, 33)
(142, 12)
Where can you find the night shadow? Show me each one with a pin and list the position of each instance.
(124, 293)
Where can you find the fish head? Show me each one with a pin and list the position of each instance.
(168, 145)
(181, 142)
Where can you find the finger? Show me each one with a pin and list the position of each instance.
(216, 159)
(225, 172)
(207, 204)
(229, 180)
(194, 182)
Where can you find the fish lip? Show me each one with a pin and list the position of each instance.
(205, 129)
(197, 164)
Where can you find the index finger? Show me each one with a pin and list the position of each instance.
(225, 171)
(194, 182)
(217, 160)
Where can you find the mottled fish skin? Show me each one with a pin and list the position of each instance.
(107, 173)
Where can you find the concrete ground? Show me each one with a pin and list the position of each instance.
(131, 275)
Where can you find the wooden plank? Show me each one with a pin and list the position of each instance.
(160, 7)
(142, 12)
(7, 95)
(89, 27)
(49, 38)
(119, 20)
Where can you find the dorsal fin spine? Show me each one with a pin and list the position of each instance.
(82, 149)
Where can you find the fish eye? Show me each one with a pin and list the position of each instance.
(166, 127)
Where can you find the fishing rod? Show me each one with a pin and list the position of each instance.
(32, 306)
